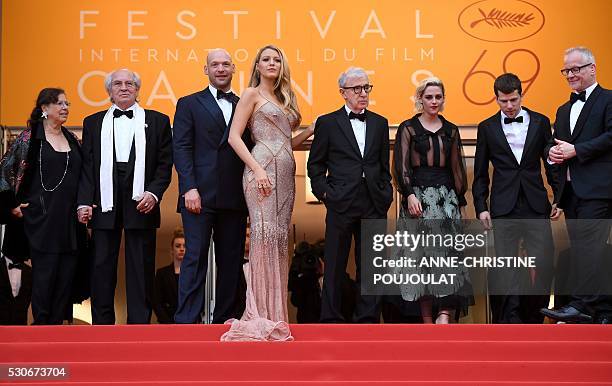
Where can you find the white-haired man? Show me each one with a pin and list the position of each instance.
(583, 149)
(127, 166)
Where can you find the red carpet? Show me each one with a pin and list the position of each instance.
(320, 354)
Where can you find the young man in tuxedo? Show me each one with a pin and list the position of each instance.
(127, 167)
(349, 171)
(514, 141)
(211, 199)
(582, 148)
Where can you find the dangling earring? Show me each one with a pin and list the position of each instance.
(44, 115)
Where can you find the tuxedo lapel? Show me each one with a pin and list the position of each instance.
(210, 104)
(562, 127)
(499, 132)
(227, 127)
(347, 129)
(4, 277)
(370, 133)
(534, 125)
(586, 111)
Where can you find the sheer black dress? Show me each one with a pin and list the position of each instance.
(430, 165)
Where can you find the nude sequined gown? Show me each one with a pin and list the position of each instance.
(265, 317)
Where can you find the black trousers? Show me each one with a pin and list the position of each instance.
(228, 230)
(518, 294)
(52, 277)
(588, 226)
(140, 249)
(340, 229)
(139, 274)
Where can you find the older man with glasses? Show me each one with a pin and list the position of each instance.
(127, 167)
(583, 149)
(349, 169)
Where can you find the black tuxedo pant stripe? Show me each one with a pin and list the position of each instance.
(52, 277)
(140, 247)
(228, 231)
(340, 230)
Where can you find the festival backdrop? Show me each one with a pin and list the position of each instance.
(466, 43)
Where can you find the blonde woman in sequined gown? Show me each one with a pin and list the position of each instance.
(270, 109)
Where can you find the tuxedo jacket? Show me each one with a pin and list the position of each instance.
(14, 310)
(166, 294)
(158, 172)
(510, 176)
(335, 164)
(591, 168)
(202, 157)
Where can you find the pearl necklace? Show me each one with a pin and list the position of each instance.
(41, 173)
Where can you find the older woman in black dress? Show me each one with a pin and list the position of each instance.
(40, 173)
(429, 173)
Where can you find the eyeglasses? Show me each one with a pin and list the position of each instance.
(573, 70)
(119, 84)
(358, 89)
(63, 103)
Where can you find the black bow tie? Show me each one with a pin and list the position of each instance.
(510, 120)
(128, 113)
(228, 96)
(15, 266)
(360, 116)
(577, 97)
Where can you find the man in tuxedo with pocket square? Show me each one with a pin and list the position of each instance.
(211, 198)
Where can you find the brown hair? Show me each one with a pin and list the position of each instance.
(178, 234)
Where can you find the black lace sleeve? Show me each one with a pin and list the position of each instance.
(457, 162)
(402, 167)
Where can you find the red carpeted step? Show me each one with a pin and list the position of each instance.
(262, 371)
(369, 354)
(321, 383)
(522, 332)
(312, 332)
(304, 351)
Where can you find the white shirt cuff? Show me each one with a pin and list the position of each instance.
(154, 196)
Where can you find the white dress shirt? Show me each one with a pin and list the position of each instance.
(516, 133)
(359, 129)
(124, 136)
(14, 277)
(577, 107)
(225, 105)
(575, 113)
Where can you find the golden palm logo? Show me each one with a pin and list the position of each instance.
(501, 20)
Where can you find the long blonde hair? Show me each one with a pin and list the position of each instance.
(282, 86)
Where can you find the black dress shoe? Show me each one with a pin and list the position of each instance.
(603, 319)
(567, 314)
